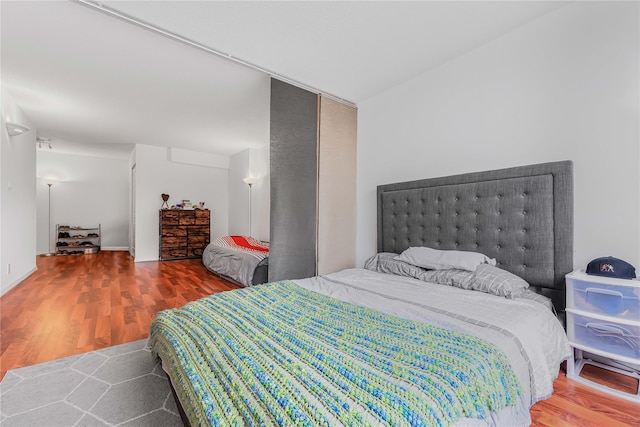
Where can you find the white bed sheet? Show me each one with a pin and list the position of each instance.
(526, 331)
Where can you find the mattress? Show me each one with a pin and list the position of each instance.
(236, 258)
(219, 376)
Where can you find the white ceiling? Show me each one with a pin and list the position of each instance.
(84, 77)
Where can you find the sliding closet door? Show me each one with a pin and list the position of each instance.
(336, 187)
(294, 171)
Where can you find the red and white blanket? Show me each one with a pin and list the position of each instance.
(244, 244)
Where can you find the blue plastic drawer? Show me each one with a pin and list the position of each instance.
(601, 295)
(605, 335)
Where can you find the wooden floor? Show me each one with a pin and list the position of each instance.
(80, 303)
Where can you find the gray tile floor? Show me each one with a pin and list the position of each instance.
(116, 386)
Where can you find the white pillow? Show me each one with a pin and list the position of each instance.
(443, 260)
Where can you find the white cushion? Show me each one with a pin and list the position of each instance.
(442, 260)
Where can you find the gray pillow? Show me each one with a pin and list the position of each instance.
(496, 281)
(389, 263)
(451, 277)
(385, 262)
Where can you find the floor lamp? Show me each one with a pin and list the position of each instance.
(250, 181)
(49, 228)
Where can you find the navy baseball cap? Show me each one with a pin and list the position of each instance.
(611, 267)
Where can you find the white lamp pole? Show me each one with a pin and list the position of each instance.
(250, 181)
(49, 253)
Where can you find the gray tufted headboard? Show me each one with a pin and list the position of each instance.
(521, 216)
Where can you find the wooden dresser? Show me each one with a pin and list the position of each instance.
(183, 233)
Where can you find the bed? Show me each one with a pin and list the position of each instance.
(240, 259)
(367, 347)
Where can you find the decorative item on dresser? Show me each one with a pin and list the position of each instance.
(183, 233)
(603, 319)
(165, 198)
(73, 240)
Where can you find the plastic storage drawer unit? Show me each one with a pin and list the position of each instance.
(618, 338)
(602, 295)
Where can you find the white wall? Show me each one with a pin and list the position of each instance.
(239, 194)
(255, 163)
(562, 87)
(261, 204)
(86, 191)
(17, 198)
(156, 174)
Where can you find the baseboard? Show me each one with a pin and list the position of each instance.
(114, 248)
(18, 280)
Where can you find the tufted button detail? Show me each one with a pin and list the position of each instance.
(475, 245)
(475, 213)
(524, 265)
(498, 246)
(524, 212)
(499, 213)
(475, 228)
(438, 227)
(499, 229)
(524, 230)
(457, 198)
(438, 242)
(456, 243)
(456, 213)
(499, 196)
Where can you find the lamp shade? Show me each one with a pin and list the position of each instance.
(250, 180)
(15, 129)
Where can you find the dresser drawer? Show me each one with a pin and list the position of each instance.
(199, 241)
(169, 216)
(173, 252)
(173, 241)
(174, 231)
(607, 335)
(187, 217)
(601, 295)
(202, 217)
(195, 251)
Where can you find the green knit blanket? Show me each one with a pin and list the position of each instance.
(278, 354)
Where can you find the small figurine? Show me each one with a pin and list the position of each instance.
(165, 205)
